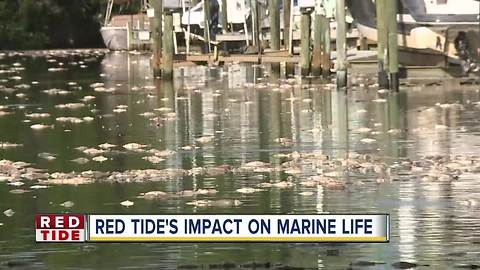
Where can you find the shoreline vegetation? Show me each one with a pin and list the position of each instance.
(49, 24)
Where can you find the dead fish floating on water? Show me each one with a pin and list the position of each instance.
(106, 146)
(67, 204)
(38, 115)
(222, 203)
(100, 159)
(80, 160)
(205, 139)
(40, 126)
(248, 190)
(153, 195)
(7, 145)
(134, 146)
(127, 203)
(9, 212)
(47, 156)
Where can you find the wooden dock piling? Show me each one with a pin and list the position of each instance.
(382, 41)
(393, 45)
(255, 23)
(156, 29)
(305, 56)
(167, 56)
(274, 10)
(206, 29)
(224, 14)
(325, 46)
(287, 6)
(130, 35)
(341, 44)
(317, 47)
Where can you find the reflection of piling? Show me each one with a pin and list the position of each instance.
(156, 29)
(168, 46)
(287, 5)
(341, 44)
(382, 42)
(274, 8)
(393, 45)
(305, 59)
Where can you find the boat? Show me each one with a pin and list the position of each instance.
(114, 30)
(432, 28)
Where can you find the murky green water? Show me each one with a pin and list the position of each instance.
(420, 162)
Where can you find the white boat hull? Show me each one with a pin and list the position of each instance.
(115, 38)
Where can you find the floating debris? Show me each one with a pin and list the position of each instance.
(40, 126)
(248, 190)
(127, 203)
(47, 156)
(100, 159)
(9, 212)
(80, 160)
(134, 146)
(67, 204)
(7, 145)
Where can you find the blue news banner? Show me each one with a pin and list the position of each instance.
(213, 228)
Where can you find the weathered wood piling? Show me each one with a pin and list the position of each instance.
(274, 10)
(393, 45)
(305, 57)
(321, 50)
(206, 29)
(341, 44)
(287, 5)
(156, 29)
(130, 34)
(167, 55)
(325, 46)
(382, 41)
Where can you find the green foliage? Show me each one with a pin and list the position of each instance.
(38, 24)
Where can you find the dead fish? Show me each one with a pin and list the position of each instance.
(67, 204)
(87, 98)
(80, 160)
(247, 190)
(19, 191)
(127, 203)
(47, 156)
(9, 212)
(216, 203)
(7, 145)
(368, 140)
(133, 146)
(93, 151)
(100, 159)
(156, 194)
(38, 115)
(205, 139)
(106, 146)
(40, 126)
(153, 159)
(38, 187)
(206, 191)
(363, 130)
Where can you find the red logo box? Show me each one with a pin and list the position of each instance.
(60, 228)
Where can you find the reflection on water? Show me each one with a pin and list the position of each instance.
(247, 113)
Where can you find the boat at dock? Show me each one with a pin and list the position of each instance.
(430, 29)
(115, 28)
